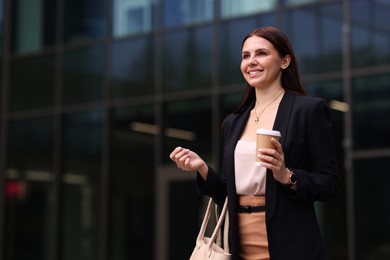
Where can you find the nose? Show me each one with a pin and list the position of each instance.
(253, 61)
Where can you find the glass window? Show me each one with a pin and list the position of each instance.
(84, 20)
(182, 127)
(28, 190)
(132, 72)
(372, 208)
(370, 35)
(316, 37)
(132, 190)
(371, 111)
(230, 44)
(83, 75)
(185, 12)
(81, 176)
(132, 16)
(31, 83)
(33, 25)
(232, 8)
(187, 59)
(298, 2)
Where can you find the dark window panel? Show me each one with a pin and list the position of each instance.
(84, 20)
(31, 83)
(187, 59)
(132, 189)
(83, 75)
(132, 71)
(187, 123)
(33, 25)
(370, 38)
(371, 111)
(186, 12)
(28, 190)
(372, 220)
(316, 36)
(81, 175)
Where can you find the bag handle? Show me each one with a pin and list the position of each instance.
(217, 227)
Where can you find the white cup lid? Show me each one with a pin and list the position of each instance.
(268, 132)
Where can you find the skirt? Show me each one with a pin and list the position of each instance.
(252, 230)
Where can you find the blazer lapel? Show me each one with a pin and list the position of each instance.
(281, 124)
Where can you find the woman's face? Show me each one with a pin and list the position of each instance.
(261, 64)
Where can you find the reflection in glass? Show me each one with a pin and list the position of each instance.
(132, 16)
(132, 167)
(84, 20)
(331, 37)
(81, 186)
(31, 83)
(187, 12)
(132, 71)
(33, 25)
(28, 190)
(83, 75)
(369, 33)
(188, 123)
(298, 2)
(232, 8)
(371, 111)
(187, 59)
(316, 37)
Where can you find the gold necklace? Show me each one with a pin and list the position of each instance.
(258, 116)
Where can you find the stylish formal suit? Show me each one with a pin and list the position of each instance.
(308, 146)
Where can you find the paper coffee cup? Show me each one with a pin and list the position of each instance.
(263, 140)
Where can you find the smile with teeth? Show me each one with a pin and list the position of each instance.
(254, 72)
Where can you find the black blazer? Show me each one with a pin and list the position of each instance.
(308, 145)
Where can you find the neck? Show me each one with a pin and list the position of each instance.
(264, 96)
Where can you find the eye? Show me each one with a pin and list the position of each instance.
(261, 53)
(245, 56)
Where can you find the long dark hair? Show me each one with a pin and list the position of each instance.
(291, 79)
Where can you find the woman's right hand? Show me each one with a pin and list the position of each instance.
(188, 160)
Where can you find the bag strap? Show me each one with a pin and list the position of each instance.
(206, 218)
(225, 243)
(217, 228)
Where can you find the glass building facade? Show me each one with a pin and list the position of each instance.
(94, 94)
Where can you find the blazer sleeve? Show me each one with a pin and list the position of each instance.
(215, 184)
(318, 180)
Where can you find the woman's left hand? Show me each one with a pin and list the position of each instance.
(273, 159)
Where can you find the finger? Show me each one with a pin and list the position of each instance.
(277, 145)
(174, 152)
(180, 154)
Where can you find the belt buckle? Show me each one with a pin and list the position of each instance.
(246, 209)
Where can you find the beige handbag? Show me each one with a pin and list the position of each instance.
(210, 247)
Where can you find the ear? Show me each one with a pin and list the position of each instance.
(285, 62)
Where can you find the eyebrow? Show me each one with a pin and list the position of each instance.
(257, 50)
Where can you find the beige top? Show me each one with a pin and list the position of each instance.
(250, 177)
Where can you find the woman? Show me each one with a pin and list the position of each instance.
(271, 206)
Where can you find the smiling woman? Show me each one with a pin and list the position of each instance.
(299, 169)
